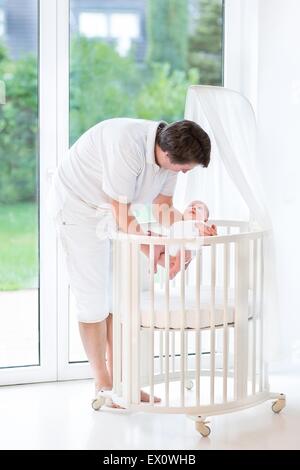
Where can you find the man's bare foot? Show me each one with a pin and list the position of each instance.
(145, 397)
(115, 405)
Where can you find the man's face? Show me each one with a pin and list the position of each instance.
(163, 161)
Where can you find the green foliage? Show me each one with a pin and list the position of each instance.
(205, 45)
(3, 54)
(102, 84)
(167, 32)
(163, 96)
(105, 85)
(18, 246)
(18, 129)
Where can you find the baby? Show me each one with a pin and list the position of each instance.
(194, 224)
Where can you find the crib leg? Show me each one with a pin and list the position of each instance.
(189, 384)
(279, 403)
(201, 426)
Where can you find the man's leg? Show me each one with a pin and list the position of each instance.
(93, 336)
(109, 354)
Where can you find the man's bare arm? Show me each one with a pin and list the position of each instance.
(164, 211)
(128, 223)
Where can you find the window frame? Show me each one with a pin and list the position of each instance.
(54, 24)
(47, 368)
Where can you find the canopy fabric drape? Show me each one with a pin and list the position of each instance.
(231, 185)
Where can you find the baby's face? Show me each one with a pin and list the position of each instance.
(197, 210)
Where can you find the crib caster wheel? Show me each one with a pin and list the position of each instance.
(189, 384)
(202, 428)
(278, 404)
(97, 403)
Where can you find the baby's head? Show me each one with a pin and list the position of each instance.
(196, 210)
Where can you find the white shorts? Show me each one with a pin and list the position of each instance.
(88, 256)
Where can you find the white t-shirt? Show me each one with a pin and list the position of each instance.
(114, 159)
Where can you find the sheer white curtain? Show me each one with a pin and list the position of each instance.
(231, 186)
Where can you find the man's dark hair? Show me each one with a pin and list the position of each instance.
(185, 141)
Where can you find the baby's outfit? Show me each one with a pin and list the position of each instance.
(183, 229)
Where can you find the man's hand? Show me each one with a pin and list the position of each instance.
(159, 251)
(175, 264)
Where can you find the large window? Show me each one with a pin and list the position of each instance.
(136, 58)
(19, 272)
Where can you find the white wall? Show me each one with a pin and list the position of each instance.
(278, 113)
(262, 60)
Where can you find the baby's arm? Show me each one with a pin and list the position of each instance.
(206, 229)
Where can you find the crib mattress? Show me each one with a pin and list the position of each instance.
(160, 315)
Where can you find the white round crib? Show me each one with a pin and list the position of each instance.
(195, 341)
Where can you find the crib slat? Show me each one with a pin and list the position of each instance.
(173, 351)
(212, 325)
(151, 368)
(265, 364)
(198, 331)
(167, 328)
(201, 269)
(261, 329)
(241, 319)
(135, 326)
(161, 277)
(226, 268)
(187, 277)
(117, 351)
(126, 371)
(182, 341)
(161, 352)
(254, 287)
(186, 352)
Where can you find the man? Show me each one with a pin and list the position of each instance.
(116, 163)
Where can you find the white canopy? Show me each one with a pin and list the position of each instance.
(231, 185)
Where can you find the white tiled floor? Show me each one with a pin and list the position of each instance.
(59, 416)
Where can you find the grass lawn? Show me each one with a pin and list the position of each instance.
(18, 246)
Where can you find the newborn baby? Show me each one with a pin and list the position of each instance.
(195, 224)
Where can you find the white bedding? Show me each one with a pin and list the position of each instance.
(160, 314)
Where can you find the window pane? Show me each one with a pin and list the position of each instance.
(19, 314)
(93, 25)
(124, 25)
(141, 67)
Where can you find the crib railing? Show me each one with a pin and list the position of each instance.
(224, 356)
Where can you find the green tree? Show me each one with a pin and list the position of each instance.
(163, 96)
(205, 44)
(167, 32)
(106, 85)
(103, 84)
(18, 129)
